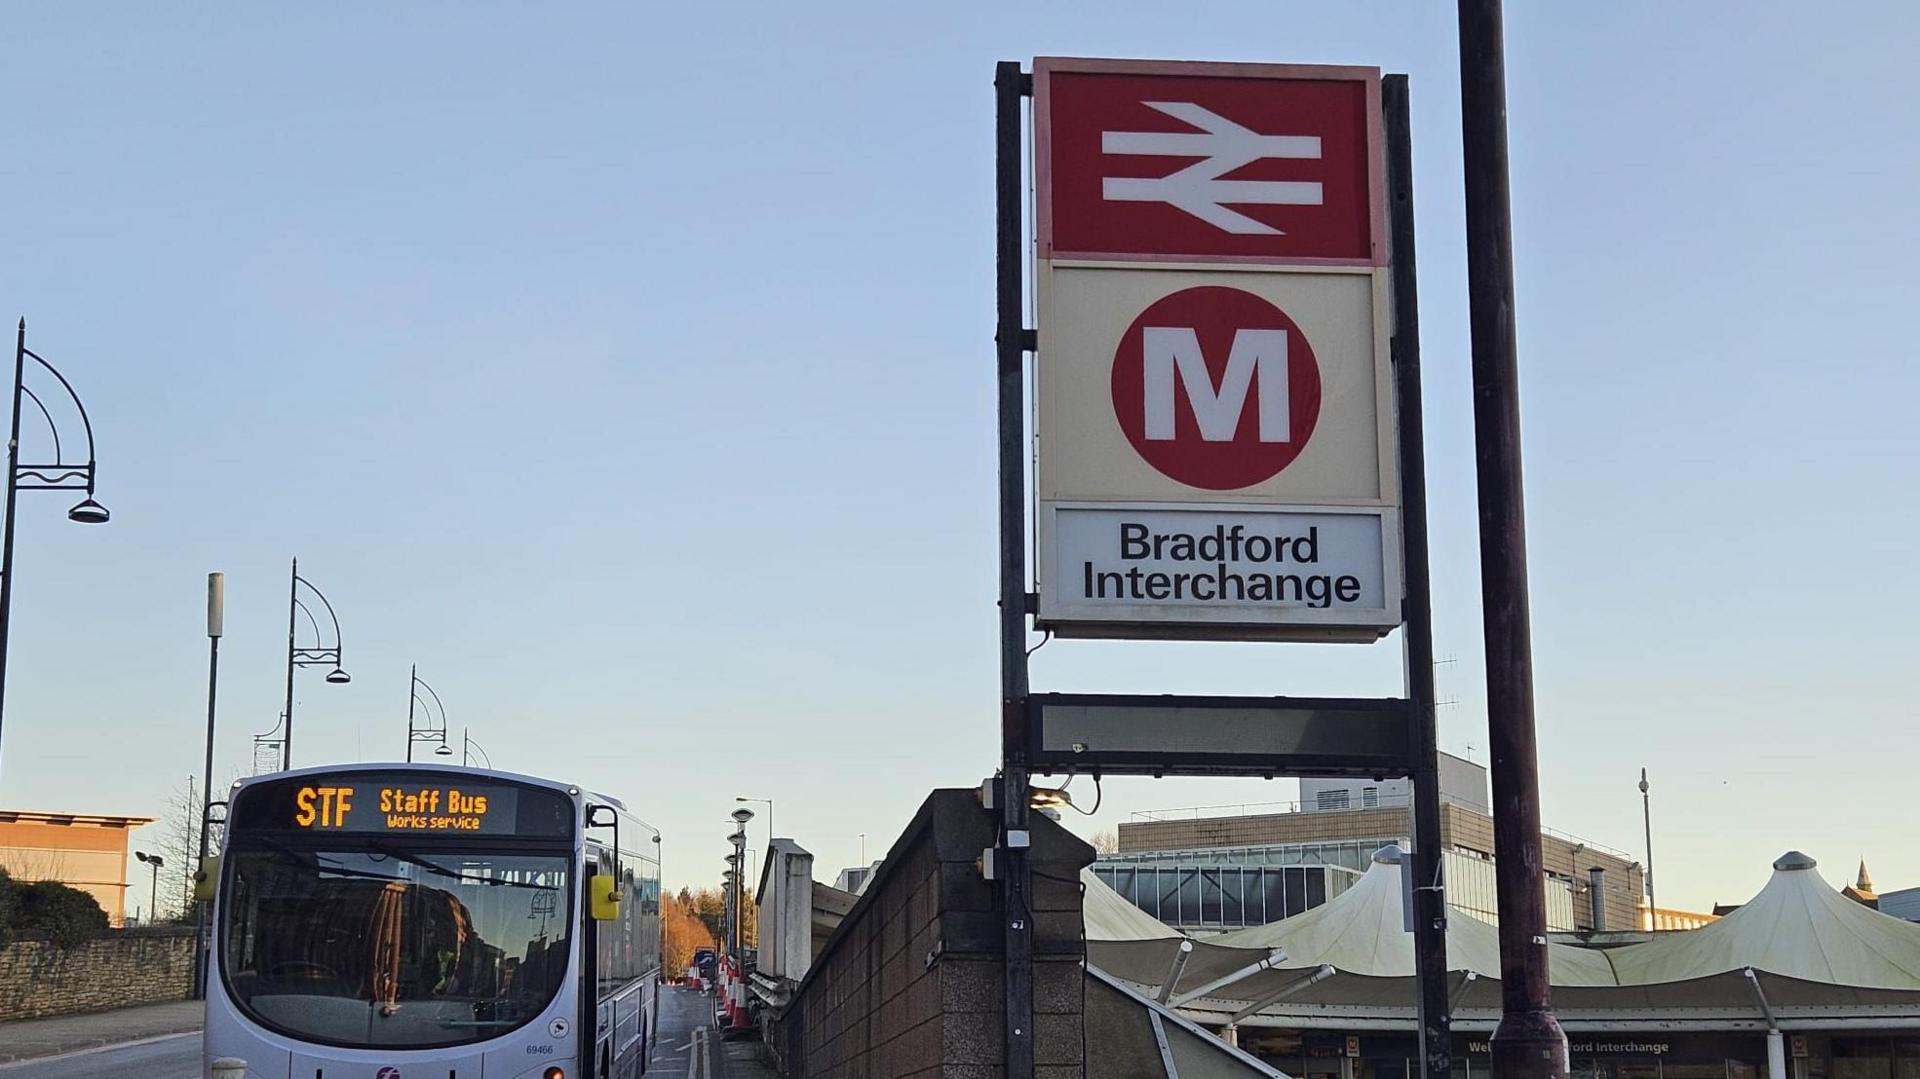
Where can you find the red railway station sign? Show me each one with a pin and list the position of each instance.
(1216, 447)
(1214, 162)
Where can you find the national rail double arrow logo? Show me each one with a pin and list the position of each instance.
(1222, 146)
(1217, 169)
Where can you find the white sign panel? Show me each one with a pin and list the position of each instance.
(1222, 569)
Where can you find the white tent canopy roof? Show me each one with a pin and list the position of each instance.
(1111, 918)
(1799, 927)
(1364, 931)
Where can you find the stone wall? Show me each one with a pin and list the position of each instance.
(121, 969)
(911, 986)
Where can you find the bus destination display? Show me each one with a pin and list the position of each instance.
(339, 806)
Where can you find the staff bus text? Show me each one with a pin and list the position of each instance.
(426, 809)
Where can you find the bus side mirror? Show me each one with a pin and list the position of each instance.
(603, 897)
(206, 878)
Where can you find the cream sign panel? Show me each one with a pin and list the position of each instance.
(1199, 385)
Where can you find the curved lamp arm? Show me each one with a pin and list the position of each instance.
(436, 700)
(322, 596)
(85, 421)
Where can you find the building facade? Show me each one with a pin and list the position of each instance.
(87, 851)
(1331, 834)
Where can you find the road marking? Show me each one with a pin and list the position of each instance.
(12, 1064)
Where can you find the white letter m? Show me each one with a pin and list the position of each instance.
(1217, 412)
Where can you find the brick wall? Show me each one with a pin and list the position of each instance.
(1264, 828)
(120, 969)
(911, 985)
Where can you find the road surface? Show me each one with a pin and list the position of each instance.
(685, 1020)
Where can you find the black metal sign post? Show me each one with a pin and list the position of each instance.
(1429, 895)
(1120, 734)
(1010, 86)
(1528, 1042)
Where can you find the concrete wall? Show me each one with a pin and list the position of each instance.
(1462, 782)
(912, 985)
(118, 970)
(784, 904)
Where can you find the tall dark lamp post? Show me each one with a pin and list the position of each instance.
(731, 877)
(427, 733)
(1646, 816)
(216, 623)
(320, 655)
(739, 840)
(61, 475)
(1529, 1042)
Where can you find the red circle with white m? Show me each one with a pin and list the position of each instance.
(1216, 388)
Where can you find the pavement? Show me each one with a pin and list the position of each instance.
(163, 1042)
(32, 1038)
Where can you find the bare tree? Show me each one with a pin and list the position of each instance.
(1106, 842)
(179, 844)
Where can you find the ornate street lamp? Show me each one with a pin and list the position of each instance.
(471, 748)
(427, 733)
(266, 748)
(61, 475)
(320, 654)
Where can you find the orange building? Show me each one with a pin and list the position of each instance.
(87, 851)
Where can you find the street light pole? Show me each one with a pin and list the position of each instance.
(471, 745)
(216, 624)
(286, 715)
(768, 802)
(413, 677)
(426, 734)
(739, 839)
(1528, 1043)
(13, 491)
(58, 476)
(153, 886)
(1646, 816)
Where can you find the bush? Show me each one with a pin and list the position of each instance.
(9, 901)
(50, 911)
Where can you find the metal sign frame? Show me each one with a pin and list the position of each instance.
(1054, 732)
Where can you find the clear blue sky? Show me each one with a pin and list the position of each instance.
(629, 368)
